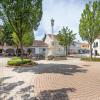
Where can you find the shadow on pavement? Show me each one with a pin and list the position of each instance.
(4, 78)
(5, 88)
(59, 94)
(52, 68)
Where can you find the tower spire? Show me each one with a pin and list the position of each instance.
(52, 25)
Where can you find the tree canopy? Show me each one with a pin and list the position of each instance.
(7, 32)
(23, 16)
(66, 37)
(15, 39)
(1, 36)
(27, 39)
(89, 27)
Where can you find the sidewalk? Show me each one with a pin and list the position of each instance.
(71, 79)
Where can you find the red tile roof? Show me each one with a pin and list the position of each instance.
(39, 43)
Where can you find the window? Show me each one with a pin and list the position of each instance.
(33, 49)
(44, 49)
(95, 44)
(0, 50)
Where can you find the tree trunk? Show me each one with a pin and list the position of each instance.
(91, 51)
(66, 52)
(16, 50)
(21, 47)
(2, 49)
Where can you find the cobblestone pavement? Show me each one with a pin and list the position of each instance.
(51, 80)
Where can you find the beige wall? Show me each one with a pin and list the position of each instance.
(85, 46)
(53, 47)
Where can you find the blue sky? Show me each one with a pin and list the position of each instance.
(64, 12)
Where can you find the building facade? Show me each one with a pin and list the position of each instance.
(53, 46)
(75, 48)
(49, 47)
(38, 48)
(96, 47)
(85, 48)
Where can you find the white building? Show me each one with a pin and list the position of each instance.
(38, 48)
(53, 46)
(55, 49)
(96, 47)
(49, 47)
(75, 48)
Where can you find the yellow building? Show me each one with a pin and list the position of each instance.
(85, 46)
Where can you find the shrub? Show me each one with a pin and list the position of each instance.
(89, 59)
(50, 57)
(17, 61)
(16, 58)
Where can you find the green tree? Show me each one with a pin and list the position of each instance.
(44, 37)
(66, 38)
(7, 32)
(16, 42)
(15, 39)
(89, 27)
(27, 40)
(23, 16)
(1, 36)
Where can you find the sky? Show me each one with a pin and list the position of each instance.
(64, 12)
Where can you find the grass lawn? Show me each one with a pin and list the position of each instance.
(89, 59)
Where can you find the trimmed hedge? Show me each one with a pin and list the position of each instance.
(17, 61)
(89, 59)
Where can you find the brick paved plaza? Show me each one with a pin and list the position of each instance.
(51, 80)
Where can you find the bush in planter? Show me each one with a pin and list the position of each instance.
(17, 61)
(14, 58)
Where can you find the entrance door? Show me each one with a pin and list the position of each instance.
(96, 52)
